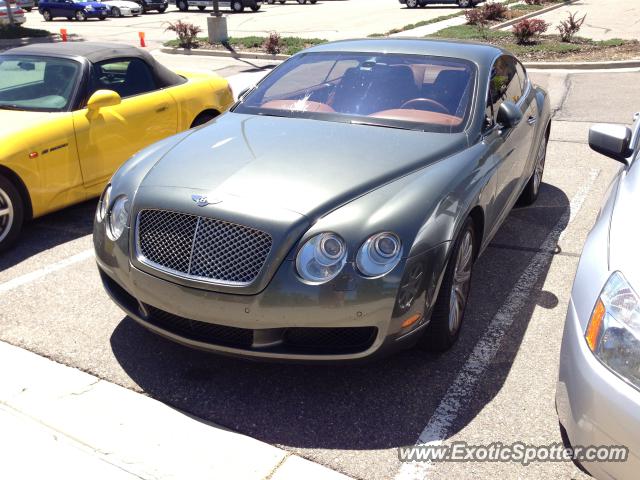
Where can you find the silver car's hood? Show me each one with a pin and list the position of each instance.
(624, 233)
(306, 166)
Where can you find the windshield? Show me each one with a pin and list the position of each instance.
(36, 83)
(393, 90)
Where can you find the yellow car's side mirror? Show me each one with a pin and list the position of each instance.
(101, 99)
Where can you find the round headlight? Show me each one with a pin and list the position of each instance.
(103, 204)
(321, 258)
(118, 217)
(379, 254)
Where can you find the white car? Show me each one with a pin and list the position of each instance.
(123, 8)
(18, 14)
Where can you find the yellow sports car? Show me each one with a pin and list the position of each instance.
(72, 113)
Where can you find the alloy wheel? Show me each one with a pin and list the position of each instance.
(461, 282)
(412, 3)
(464, 3)
(6, 214)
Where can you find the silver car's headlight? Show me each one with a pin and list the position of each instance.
(118, 217)
(613, 332)
(103, 204)
(321, 258)
(379, 254)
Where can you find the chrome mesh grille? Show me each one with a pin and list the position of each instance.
(200, 247)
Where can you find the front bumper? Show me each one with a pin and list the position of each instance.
(350, 318)
(595, 406)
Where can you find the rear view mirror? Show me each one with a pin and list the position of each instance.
(611, 141)
(509, 115)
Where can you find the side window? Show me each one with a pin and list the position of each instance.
(522, 76)
(504, 85)
(127, 77)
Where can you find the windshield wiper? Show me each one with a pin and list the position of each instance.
(376, 124)
(6, 106)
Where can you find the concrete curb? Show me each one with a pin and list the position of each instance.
(583, 65)
(222, 53)
(136, 434)
(537, 13)
(19, 42)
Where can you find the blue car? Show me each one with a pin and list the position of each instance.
(71, 9)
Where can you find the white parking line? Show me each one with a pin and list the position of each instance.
(44, 271)
(462, 388)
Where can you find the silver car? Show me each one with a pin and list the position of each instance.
(598, 397)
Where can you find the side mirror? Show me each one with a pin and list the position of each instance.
(509, 115)
(101, 99)
(611, 141)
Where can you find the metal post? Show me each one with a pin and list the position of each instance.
(216, 8)
(12, 22)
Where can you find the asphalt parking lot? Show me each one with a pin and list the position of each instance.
(332, 20)
(496, 385)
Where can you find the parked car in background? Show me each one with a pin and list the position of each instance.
(159, 6)
(598, 391)
(72, 113)
(17, 12)
(301, 2)
(236, 6)
(26, 5)
(336, 211)
(123, 8)
(78, 9)
(424, 3)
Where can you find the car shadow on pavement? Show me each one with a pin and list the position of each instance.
(351, 407)
(50, 231)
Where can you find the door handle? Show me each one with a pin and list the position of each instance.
(532, 120)
(162, 109)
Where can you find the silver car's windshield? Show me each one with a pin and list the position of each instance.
(37, 83)
(394, 90)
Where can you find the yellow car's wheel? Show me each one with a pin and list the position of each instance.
(11, 213)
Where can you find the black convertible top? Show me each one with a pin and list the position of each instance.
(96, 52)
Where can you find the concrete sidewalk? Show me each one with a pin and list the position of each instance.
(60, 423)
(606, 19)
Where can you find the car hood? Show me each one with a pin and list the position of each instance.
(306, 166)
(624, 231)
(15, 121)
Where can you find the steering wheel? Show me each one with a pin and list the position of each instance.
(416, 103)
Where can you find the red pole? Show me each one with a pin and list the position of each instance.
(141, 35)
(63, 34)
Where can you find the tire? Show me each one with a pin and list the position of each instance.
(255, 8)
(532, 188)
(28, 9)
(182, 5)
(302, 2)
(282, 2)
(448, 312)
(103, 17)
(412, 3)
(271, 2)
(313, 2)
(203, 118)
(12, 217)
(81, 16)
(465, 3)
(162, 9)
(69, 18)
(115, 12)
(46, 14)
(237, 6)
(202, 8)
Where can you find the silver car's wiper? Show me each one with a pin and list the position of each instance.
(5, 106)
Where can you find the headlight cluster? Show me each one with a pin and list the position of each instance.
(116, 214)
(323, 256)
(613, 332)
